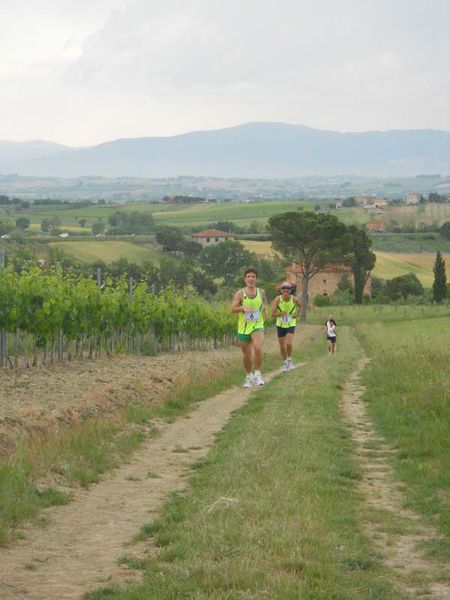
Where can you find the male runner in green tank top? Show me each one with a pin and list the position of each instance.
(286, 308)
(250, 303)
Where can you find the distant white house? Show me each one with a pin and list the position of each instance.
(365, 199)
(64, 234)
(412, 198)
(209, 237)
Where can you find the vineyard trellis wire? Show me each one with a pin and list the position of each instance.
(47, 317)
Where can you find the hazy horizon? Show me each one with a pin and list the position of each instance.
(106, 141)
(86, 72)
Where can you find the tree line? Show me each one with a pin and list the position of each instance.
(312, 240)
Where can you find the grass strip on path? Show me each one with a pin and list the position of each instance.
(408, 396)
(272, 511)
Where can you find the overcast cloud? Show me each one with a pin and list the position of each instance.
(80, 72)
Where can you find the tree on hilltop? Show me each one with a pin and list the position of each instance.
(98, 227)
(440, 279)
(362, 260)
(172, 240)
(127, 222)
(50, 225)
(22, 223)
(445, 230)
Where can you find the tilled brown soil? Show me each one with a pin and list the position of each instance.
(37, 400)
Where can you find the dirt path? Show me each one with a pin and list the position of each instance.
(79, 549)
(381, 492)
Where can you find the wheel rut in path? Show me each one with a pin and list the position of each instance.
(381, 491)
(78, 550)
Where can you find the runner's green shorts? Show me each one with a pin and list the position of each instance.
(246, 337)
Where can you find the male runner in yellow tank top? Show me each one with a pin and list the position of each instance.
(286, 308)
(250, 303)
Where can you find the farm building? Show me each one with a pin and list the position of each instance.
(376, 226)
(380, 203)
(325, 282)
(209, 237)
(412, 198)
(371, 200)
(365, 199)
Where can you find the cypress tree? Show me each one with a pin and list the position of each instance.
(440, 279)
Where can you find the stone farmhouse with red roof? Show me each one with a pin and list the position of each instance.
(325, 282)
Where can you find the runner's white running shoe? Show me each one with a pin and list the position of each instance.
(285, 366)
(290, 364)
(248, 382)
(258, 380)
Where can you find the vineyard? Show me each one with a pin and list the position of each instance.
(49, 317)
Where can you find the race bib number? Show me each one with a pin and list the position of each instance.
(286, 319)
(252, 317)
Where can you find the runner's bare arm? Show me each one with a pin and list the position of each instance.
(265, 304)
(236, 305)
(275, 304)
(298, 304)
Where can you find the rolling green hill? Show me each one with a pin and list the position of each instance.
(241, 213)
(390, 265)
(107, 251)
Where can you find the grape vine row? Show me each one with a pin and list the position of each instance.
(49, 316)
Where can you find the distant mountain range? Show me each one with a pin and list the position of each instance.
(252, 150)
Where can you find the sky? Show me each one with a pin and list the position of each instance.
(81, 72)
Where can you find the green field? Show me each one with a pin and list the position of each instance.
(397, 254)
(242, 213)
(421, 213)
(402, 215)
(390, 265)
(409, 242)
(107, 251)
(260, 211)
(70, 216)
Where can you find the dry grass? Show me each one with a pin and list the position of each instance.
(391, 265)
